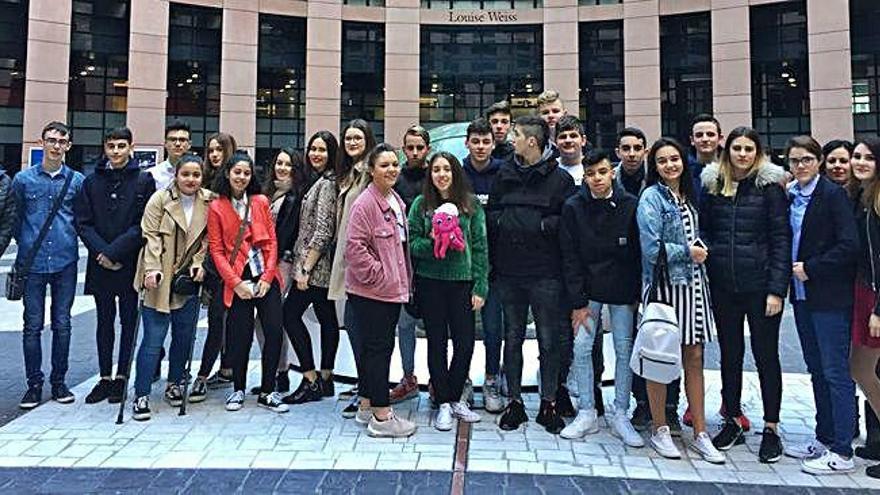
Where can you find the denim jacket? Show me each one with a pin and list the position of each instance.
(660, 221)
(34, 192)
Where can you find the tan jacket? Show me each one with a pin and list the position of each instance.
(164, 222)
(348, 193)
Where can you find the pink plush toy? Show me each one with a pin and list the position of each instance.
(447, 232)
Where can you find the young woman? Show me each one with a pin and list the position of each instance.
(377, 283)
(666, 215)
(241, 235)
(174, 227)
(866, 308)
(836, 165)
(745, 227)
(452, 288)
(311, 274)
(824, 251)
(220, 148)
(352, 178)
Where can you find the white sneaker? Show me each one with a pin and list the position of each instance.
(492, 397)
(444, 420)
(235, 400)
(363, 416)
(662, 442)
(810, 450)
(828, 463)
(584, 424)
(702, 445)
(623, 429)
(461, 411)
(393, 427)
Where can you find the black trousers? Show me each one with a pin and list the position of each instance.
(105, 334)
(214, 344)
(295, 305)
(376, 322)
(447, 311)
(730, 310)
(240, 327)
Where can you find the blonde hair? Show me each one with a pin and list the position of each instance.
(725, 168)
(549, 96)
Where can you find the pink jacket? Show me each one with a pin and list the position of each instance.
(376, 264)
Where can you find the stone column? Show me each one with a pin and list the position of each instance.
(323, 65)
(402, 48)
(48, 63)
(148, 72)
(731, 64)
(641, 65)
(830, 70)
(561, 51)
(238, 72)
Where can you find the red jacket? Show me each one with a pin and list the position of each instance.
(223, 225)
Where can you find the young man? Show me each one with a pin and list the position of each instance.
(499, 118)
(706, 140)
(108, 210)
(35, 190)
(600, 241)
(632, 146)
(178, 139)
(551, 109)
(570, 141)
(481, 168)
(416, 146)
(523, 217)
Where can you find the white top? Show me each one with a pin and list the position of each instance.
(163, 174)
(188, 202)
(398, 212)
(575, 171)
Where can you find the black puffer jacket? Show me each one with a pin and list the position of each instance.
(748, 235)
(601, 255)
(410, 183)
(523, 218)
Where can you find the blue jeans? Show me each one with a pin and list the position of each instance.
(582, 366)
(183, 330)
(406, 340)
(492, 316)
(63, 287)
(825, 340)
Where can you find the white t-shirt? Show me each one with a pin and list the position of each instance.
(398, 212)
(575, 171)
(188, 202)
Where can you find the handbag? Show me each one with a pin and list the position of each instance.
(656, 354)
(18, 274)
(182, 282)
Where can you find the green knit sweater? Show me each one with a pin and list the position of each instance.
(470, 264)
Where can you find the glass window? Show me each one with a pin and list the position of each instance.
(194, 48)
(685, 71)
(363, 74)
(599, 2)
(865, 44)
(13, 49)
(780, 72)
(98, 84)
(490, 5)
(601, 81)
(465, 69)
(281, 85)
(367, 3)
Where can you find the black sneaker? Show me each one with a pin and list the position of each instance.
(549, 418)
(869, 452)
(641, 418)
(873, 471)
(140, 410)
(771, 447)
(61, 394)
(272, 402)
(199, 390)
(351, 409)
(328, 387)
(673, 422)
(513, 416)
(731, 434)
(563, 403)
(32, 398)
(100, 392)
(282, 382)
(173, 396)
(117, 390)
(306, 392)
(219, 380)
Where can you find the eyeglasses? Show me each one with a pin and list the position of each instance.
(806, 161)
(52, 142)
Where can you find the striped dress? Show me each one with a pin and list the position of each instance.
(692, 301)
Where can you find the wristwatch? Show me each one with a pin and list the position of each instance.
(303, 270)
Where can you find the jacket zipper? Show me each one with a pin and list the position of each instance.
(732, 239)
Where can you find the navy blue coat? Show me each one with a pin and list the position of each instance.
(108, 212)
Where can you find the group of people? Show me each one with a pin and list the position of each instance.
(533, 222)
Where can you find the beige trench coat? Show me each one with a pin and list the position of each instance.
(347, 194)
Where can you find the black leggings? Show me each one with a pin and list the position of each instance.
(447, 311)
(214, 344)
(240, 327)
(325, 310)
(376, 321)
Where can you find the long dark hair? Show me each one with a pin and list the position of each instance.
(227, 143)
(460, 192)
(301, 176)
(332, 151)
(221, 182)
(686, 185)
(345, 163)
(871, 198)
